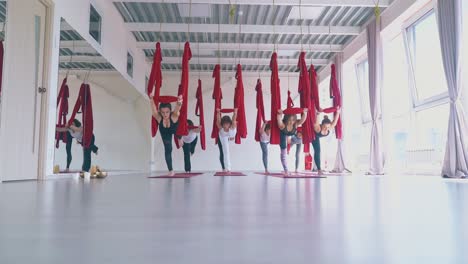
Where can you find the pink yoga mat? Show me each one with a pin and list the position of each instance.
(269, 174)
(176, 176)
(232, 173)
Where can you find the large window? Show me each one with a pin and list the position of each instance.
(95, 22)
(426, 59)
(362, 72)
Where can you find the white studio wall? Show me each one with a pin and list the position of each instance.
(246, 156)
(115, 43)
(123, 141)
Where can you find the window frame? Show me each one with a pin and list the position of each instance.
(130, 55)
(409, 43)
(360, 82)
(92, 6)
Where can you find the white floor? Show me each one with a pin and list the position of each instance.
(253, 219)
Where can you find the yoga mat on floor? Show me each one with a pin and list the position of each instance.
(176, 176)
(269, 174)
(324, 174)
(299, 176)
(232, 173)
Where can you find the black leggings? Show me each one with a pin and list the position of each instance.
(189, 149)
(221, 155)
(87, 154)
(316, 145)
(68, 148)
(168, 153)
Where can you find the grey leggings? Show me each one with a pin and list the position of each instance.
(284, 160)
(264, 147)
(298, 154)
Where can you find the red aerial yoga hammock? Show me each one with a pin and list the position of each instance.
(260, 110)
(336, 96)
(275, 100)
(315, 93)
(155, 80)
(239, 104)
(1, 65)
(305, 98)
(217, 96)
(62, 101)
(290, 103)
(84, 103)
(182, 129)
(200, 113)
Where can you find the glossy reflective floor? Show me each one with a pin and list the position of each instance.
(253, 219)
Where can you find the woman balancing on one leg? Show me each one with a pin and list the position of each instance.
(264, 141)
(189, 143)
(227, 131)
(168, 122)
(288, 127)
(322, 130)
(297, 140)
(76, 131)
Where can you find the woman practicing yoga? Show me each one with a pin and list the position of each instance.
(189, 142)
(227, 131)
(264, 141)
(322, 130)
(76, 131)
(288, 127)
(168, 122)
(297, 140)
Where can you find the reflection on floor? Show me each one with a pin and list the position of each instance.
(253, 219)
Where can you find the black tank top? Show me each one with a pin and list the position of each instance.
(167, 132)
(319, 135)
(285, 134)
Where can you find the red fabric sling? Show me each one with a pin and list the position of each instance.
(200, 113)
(182, 129)
(239, 104)
(290, 103)
(305, 92)
(335, 94)
(62, 101)
(275, 100)
(85, 103)
(217, 96)
(155, 81)
(293, 111)
(260, 110)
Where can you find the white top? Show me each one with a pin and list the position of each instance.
(264, 138)
(77, 135)
(230, 134)
(190, 137)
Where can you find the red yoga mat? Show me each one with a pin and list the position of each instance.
(232, 173)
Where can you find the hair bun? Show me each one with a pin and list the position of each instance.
(326, 117)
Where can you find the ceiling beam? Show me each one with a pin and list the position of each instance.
(246, 29)
(368, 3)
(234, 61)
(242, 46)
(83, 59)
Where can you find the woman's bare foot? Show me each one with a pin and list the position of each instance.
(267, 172)
(67, 170)
(285, 173)
(224, 170)
(171, 173)
(320, 172)
(228, 172)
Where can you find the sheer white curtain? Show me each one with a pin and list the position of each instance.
(340, 157)
(375, 59)
(449, 21)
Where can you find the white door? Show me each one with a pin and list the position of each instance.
(24, 100)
